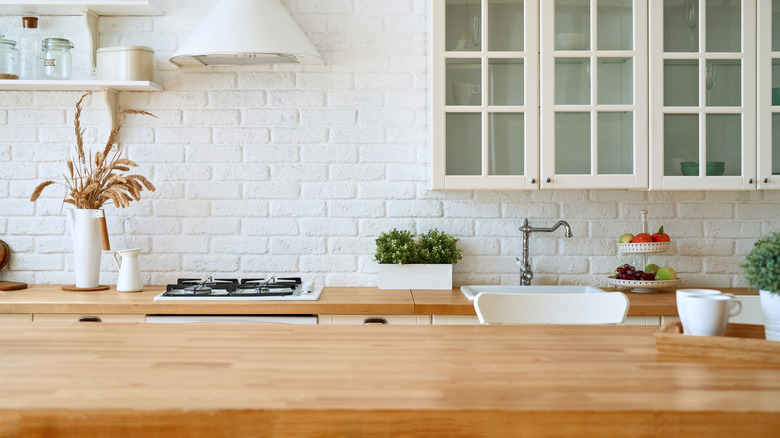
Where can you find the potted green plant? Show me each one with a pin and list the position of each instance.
(762, 271)
(406, 263)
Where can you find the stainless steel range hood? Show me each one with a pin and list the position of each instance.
(246, 32)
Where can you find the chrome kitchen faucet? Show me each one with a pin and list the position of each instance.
(525, 265)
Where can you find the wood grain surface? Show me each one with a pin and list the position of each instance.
(286, 380)
(334, 300)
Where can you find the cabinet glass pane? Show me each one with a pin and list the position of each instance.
(572, 143)
(724, 144)
(572, 24)
(681, 25)
(616, 83)
(615, 25)
(506, 78)
(462, 20)
(775, 144)
(681, 142)
(572, 81)
(507, 25)
(506, 133)
(776, 25)
(464, 144)
(724, 31)
(723, 79)
(616, 143)
(775, 81)
(463, 82)
(681, 82)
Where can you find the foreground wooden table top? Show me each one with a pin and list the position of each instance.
(287, 380)
(334, 300)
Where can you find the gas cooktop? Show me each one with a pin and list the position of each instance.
(229, 289)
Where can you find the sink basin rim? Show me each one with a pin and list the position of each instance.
(471, 291)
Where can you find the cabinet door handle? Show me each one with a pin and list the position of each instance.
(750, 180)
(372, 321)
(765, 180)
(533, 180)
(90, 319)
(548, 180)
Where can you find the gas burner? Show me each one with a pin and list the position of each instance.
(247, 288)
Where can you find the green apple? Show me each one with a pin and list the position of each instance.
(666, 273)
(652, 268)
(626, 238)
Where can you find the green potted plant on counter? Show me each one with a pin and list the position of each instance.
(762, 271)
(406, 263)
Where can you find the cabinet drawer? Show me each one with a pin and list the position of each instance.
(455, 320)
(16, 317)
(87, 317)
(376, 319)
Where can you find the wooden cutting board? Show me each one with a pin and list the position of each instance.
(12, 285)
(5, 254)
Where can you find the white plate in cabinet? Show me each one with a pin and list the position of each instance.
(86, 317)
(375, 319)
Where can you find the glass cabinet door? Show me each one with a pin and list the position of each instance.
(485, 94)
(594, 94)
(768, 95)
(702, 94)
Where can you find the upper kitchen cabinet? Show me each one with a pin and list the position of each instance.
(703, 94)
(594, 94)
(768, 94)
(485, 94)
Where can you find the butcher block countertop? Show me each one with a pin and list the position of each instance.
(334, 300)
(248, 380)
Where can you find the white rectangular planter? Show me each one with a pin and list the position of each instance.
(415, 276)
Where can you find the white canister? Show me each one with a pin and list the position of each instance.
(125, 63)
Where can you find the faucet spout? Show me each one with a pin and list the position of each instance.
(524, 264)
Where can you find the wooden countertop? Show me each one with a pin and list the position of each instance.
(288, 380)
(334, 300)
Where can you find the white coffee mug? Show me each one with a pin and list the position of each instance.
(708, 315)
(681, 294)
(463, 92)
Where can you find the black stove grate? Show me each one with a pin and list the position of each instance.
(222, 287)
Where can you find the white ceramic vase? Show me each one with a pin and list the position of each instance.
(86, 246)
(770, 305)
(415, 276)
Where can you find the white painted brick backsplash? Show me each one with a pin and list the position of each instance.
(296, 169)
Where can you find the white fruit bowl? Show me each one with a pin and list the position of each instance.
(643, 286)
(644, 247)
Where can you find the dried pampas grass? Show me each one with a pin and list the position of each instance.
(95, 179)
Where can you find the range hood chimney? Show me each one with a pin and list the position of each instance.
(246, 32)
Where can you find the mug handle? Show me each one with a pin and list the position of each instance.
(736, 307)
(116, 259)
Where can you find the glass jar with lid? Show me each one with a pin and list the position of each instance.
(9, 59)
(55, 54)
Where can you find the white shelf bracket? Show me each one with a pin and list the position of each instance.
(113, 109)
(93, 22)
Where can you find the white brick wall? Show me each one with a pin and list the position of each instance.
(286, 169)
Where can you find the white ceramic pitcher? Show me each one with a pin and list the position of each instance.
(129, 272)
(86, 245)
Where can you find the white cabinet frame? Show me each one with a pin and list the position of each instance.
(530, 110)
(639, 178)
(747, 177)
(765, 179)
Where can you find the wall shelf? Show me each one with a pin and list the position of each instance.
(100, 7)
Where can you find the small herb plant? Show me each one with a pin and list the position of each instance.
(433, 247)
(762, 264)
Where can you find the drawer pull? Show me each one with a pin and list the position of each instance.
(372, 321)
(90, 319)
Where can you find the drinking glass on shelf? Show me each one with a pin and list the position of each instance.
(691, 19)
(711, 73)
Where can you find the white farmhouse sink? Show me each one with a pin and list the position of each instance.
(471, 291)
